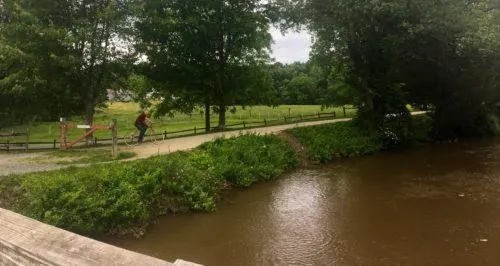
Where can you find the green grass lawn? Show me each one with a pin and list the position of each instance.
(125, 114)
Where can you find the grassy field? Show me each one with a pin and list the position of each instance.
(125, 113)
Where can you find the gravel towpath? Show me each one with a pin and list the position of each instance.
(19, 163)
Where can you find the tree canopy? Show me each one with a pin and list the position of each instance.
(298, 83)
(61, 57)
(205, 52)
(384, 55)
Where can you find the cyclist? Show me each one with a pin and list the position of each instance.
(141, 123)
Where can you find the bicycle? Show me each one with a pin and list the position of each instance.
(132, 139)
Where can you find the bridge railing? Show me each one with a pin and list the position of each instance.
(24, 241)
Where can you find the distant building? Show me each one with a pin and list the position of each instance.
(120, 95)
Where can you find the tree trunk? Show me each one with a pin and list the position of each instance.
(207, 115)
(221, 99)
(222, 115)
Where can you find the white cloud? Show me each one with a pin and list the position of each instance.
(290, 47)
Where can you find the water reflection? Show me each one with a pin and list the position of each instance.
(298, 211)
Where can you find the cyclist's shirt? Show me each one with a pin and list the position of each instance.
(141, 119)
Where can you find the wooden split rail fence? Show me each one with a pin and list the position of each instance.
(8, 145)
(165, 134)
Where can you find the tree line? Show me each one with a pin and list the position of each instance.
(60, 57)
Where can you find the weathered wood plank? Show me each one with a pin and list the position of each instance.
(24, 241)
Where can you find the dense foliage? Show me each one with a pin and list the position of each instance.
(327, 142)
(114, 198)
(59, 58)
(210, 53)
(383, 55)
(298, 83)
(248, 159)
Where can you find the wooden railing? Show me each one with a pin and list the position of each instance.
(24, 241)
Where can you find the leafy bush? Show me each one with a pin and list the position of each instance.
(421, 129)
(115, 198)
(404, 130)
(344, 139)
(247, 159)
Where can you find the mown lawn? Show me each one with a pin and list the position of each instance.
(125, 113)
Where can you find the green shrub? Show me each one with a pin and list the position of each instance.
(247, 159)
(421, 129)
(82, 200)
(343, 139)
(114, 198)
(405, 130)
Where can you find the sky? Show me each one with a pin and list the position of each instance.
(291, 47)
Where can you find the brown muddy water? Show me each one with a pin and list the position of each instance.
(434, 205)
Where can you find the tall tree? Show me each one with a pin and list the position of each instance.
(209, 52)
(299, 83)
(450, 60)
(30, 72)
(386, 53)
(78, 46)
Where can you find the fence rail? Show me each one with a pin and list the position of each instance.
(9, 145)
(53, 145)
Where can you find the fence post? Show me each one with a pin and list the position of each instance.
(343, 107)
(62, 127)
(114, 138)
(195, 130)
(265, 122)
(95, 140)
(244, 124)
(165, 135)
(27, 139)
(285, 119)
(54, 144)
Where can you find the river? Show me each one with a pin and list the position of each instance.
(433, 205)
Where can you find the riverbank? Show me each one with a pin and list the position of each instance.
(328, 142)
(124, 198)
